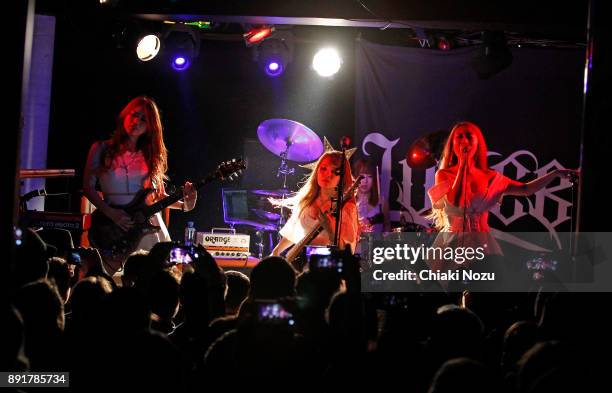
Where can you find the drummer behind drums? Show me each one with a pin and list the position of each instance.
(369, 204)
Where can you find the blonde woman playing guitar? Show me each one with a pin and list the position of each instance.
(311, 222)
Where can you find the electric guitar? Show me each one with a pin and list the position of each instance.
(117, 244)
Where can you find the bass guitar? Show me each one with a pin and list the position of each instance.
(116, 244)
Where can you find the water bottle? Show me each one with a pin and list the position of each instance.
(189, 234)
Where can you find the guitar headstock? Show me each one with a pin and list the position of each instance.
(230, 169)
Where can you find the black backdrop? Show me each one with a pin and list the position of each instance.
(529, 114)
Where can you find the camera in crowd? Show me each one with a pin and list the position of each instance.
(73, 257)
(182, 254)
(273, 312)
(539, 267)
(326, 259)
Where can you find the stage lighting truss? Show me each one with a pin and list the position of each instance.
(275, 53)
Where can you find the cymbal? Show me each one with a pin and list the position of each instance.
(299, 141)
(281, 192)
(271, 216)
(425, 151)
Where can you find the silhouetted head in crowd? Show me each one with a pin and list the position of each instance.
(42, 310)
(519, 337)
(456, 332)
(202, 290)
(163, 296)
(31, 258)
(61, 239)
(193, 295)
(272, 278)
(346, 321)
(40, 306)
(238, 286)
(59, 273)
(125, 311)
(87, 296)
(148, 362)
(464, 375)
(206, 267)
(572, 316)
(137, 266)
(317, 289)
(11, 341)
(545, 358)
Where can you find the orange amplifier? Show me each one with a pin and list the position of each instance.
(225, 243)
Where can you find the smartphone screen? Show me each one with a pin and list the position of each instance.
(180, 255)
(273, 312)
(323, 258)
(73, 258)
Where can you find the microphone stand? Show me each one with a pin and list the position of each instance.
(465, 185)
(339, 196)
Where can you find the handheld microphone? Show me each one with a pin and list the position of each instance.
(466, 149)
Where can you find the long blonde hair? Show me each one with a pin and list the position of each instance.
(450, 159)
(150, 143)
(310, 191)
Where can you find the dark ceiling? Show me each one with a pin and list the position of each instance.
(530, 20)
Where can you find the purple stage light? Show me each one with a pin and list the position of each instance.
(274, 68)
(180, 63)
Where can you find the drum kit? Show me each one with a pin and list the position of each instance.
(294, 142)
(291, 142)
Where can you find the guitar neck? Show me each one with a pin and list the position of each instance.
(172, 198)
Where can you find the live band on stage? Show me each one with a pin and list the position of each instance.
(300, 224)
(253, 218)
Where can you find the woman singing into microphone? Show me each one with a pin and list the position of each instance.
(466, 189)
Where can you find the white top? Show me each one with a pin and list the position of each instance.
(299, 225)
(128, 174)
(473, 220)
(366, 211)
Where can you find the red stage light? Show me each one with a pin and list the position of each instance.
(419, 155)
(258, 34)
(444, 43)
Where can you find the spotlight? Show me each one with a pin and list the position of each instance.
(180, 63)
(257, 35)
(327, 62)
(275, 53)
(444, 43)
(148, 47)
(181, 45)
